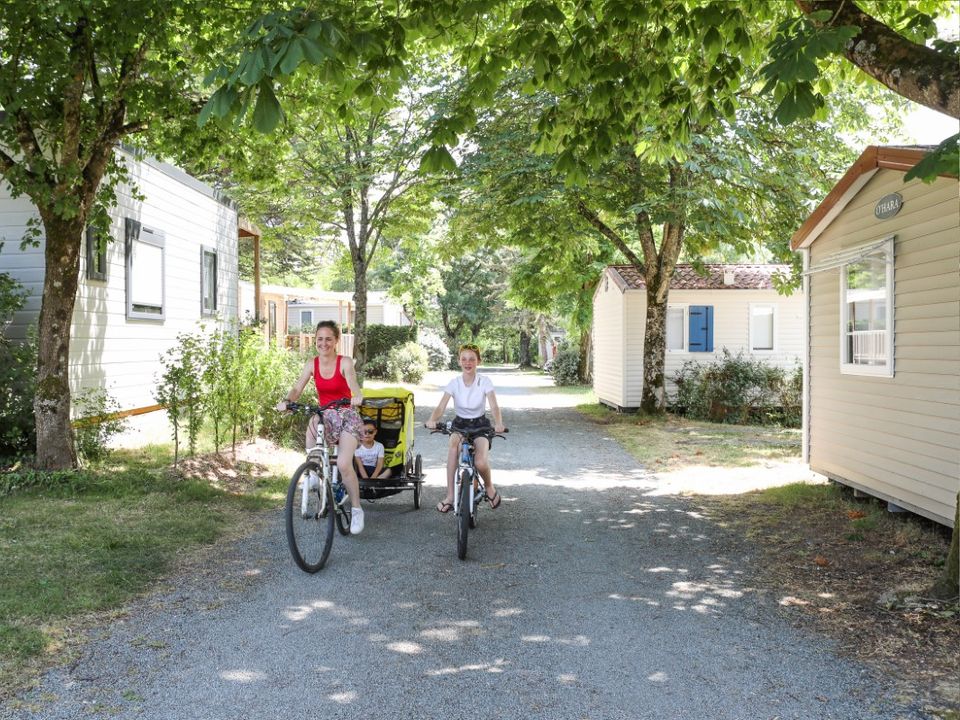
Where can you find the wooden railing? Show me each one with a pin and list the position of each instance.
(304, 342)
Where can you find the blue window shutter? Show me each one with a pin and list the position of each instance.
(701, 328)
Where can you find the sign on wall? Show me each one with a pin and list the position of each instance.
(888, 206)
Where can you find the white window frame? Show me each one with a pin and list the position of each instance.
(849, 368)
(686, 327)
(205, 251)
(137, 233)
(762, 351)
(305, 328)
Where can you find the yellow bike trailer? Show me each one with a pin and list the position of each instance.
(391, 410)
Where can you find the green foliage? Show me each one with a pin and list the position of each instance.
(96, 424)
(564, 366)
(18, 371)
(180, 388)
(376, 367)
(231, 378)
(381, 339)
(944, 160)
(438, 354)
(407, 363)
(738, 389)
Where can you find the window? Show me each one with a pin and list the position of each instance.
(145, 271)
(208, 281)
(866, 313)
(96, 254)
(676, 328)
(700, 337)
(763, 327)
(306, 320)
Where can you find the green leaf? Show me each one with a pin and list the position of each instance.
(267, 113)
(944, 160)
(437, 159)
(292, 57)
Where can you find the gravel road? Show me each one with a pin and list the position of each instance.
(587, 594)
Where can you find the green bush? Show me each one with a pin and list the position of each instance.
(407, 363)
(438, 354)
(737, 389)
(381, 339)
(376, 367)
(18, 369)
(565, 364)
(95, 425)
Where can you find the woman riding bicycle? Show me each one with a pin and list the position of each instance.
(335, 379)
(471, 393)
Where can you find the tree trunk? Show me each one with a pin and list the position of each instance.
(653, 399)
(524, 349)
(542, 339)
(360, 316)
(948, 586)
(51, 404)
(913, 70)
(584, 369)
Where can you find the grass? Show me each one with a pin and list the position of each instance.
(671, 442)
(84, 542)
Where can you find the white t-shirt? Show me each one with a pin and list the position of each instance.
(470, 402)
(369, 455)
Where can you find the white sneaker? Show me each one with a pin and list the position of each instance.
(356, 521)
(313, 481)
(310, 483)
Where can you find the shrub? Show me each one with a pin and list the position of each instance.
(95, 426)
(438, 354)
(736, 389)
(381, 339)
(376, 367)
(564, 365)
(18, 367)
(407, 363)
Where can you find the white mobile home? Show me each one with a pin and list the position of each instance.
(883, 386)
(734, 307)
(168, 266)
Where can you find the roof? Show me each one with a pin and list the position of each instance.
(685, 277)
(871, 160)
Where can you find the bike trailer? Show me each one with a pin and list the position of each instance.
(391, 409)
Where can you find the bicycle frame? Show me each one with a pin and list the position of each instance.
(467, 467)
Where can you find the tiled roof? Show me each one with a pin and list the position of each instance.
(685, 277)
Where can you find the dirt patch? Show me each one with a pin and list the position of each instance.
(238, 473)
(848, 568)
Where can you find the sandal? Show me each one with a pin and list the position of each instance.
(495, 500)
(444, 507)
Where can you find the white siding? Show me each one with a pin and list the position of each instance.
(107, 349)
(608, 343)
(731, 330)
(731, 327)
(897, 438)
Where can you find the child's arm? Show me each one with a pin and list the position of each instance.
(438, 411)
(361, 470)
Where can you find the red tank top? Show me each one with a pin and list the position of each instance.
(330, 389)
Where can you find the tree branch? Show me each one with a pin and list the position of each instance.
(915, 71)
(610, 234)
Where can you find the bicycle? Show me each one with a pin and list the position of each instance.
(316, 498)
(466, 498)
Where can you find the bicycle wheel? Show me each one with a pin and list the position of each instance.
(463, 515)
(417, 482)
(309, 522)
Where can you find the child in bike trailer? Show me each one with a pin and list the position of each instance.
(471, 393)
(370, 454)
(335, 379)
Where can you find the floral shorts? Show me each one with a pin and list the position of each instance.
(339, 421)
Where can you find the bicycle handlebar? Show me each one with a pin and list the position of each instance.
(299, 407)
(447, 429)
